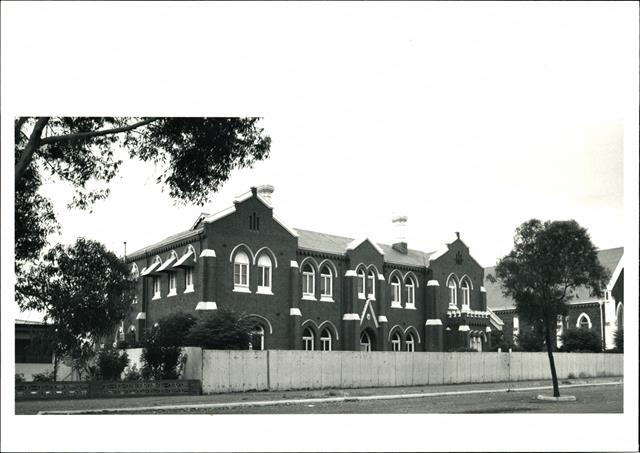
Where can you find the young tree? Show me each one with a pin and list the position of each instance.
(197, 156)
(547, 263)
(85, 290)
(223, 329)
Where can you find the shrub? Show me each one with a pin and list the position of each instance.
(464, 349)
(110, 364)
(159, 361)
(498, 341)
(221, 330)
(618, 340)
(132, 374)
(580, 340)
(571, 376)
(20, 377)
(531, 341)
(174, 328)
(47, 376)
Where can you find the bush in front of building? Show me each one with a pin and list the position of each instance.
(20, 378)
(580, 340)
(223, 329)
(498, 341)
(158, 360)
(174, 328)
(110, 363)
(132, 373)
(46, 376)
(530, 341)
(618, 340)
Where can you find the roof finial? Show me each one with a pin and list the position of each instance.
(458, 234)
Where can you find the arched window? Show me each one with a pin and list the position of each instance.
(362, 281)
(465, 293)
(583, 321)
(453, 291)
(410, 342)
(326, 340)
(396, 342)
(326, 283)
(257, 338)
(371, 284)
(156, 287)
(308, 339)
(172, 284)
(395, 291)
(264, 274)
(188, 279)
(308, 281)
(241, 272)
(411, 292)
(365, 342)
(620, 317)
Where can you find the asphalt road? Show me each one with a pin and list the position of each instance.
(606, 399)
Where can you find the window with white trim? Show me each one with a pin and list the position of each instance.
(326, 339)
(410, 342)
(365, 342)
(264, 274)
(156, 287)
(453, 291)
(241, 271)
(584, 322)
(257, 338)
(308, 339)
(326, 283)
(371, 284)
(172, 284)
(188, 280)
(411, 292)
(396, 342)
(362, 281)
(465, 293)
(516, 328)
(308, 281)
(395, 291)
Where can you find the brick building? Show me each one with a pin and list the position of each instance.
(310, 290)
(603, 315)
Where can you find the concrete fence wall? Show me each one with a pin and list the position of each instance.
(237, 371)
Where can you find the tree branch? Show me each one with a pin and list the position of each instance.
(32, 145)
(88, 135)
(19, 124)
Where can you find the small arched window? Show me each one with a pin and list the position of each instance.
(396, 342)
(308, 281)
(264, 274)
(257, 338)
(326, 340)
(365, 342)
(465, 293)
(395, 291)
(411, 292)
(583, 321)
(362, 281)
(241, 272)
(308, 339)
(371, 284)
(410, 342)
(453, 291)
(326, 283)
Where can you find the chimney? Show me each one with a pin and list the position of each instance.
(266, 191)
(400, 241)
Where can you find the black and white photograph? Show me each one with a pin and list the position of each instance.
(319, 226)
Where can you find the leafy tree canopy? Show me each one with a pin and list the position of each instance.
(223, 329)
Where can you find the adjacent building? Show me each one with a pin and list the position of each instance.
(312, 290)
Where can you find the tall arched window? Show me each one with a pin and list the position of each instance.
(365, 342)
(410, 342)
(396, 342)
(411, 292)
(326, 340)
(326, 283)
(371, 284)
(620, 317)
(257, 338)
(241, 272)
(362, 281)
(465, 293)
(453, 291)
(583, 321)
(395, 291)
(308, 339)
(308, 281)
(264, 274)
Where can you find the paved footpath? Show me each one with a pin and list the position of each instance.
(292, 401)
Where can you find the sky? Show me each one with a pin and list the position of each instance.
(464, 116)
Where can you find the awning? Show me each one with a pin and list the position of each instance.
(148, 270)
(166, 266)
(186, 260)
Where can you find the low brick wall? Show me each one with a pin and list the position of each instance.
(105, 389)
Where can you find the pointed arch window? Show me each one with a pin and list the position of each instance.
(264, 274)
(584, 322)
(257, 338)
(172, 284)
(365, 342)
(156, 287)
(396, 342)
(188, 279)
(241, 272)
(410, 342)
(308, 282)
(453, 291)
(308, 339)
(326, 340)
(371, 284)
(326, 284)
(395, 292)
(410, 285)
(465, 293)
(362, 281)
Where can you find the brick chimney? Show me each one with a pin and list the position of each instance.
(400, 241)
(266, 192)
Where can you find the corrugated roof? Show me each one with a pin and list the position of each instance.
(328, 243)
(608, 258)
(166, 241)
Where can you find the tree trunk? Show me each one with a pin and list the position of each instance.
(55, 367)
(554, 376)
(30, 148)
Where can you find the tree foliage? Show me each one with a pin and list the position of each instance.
(548, 262)
(173, 329)
(531, 340)
(159, 361)
(223, 329)
(196, 155)
(111, 363)
(618, 339)
(581, 340)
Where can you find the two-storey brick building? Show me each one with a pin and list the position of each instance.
(310, 290)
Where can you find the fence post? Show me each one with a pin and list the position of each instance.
(268, 371)
(509, 371)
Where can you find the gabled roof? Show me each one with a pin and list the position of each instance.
(608, 258)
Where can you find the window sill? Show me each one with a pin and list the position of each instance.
(361, 296)
(188, 290)
(241, 289)
(174, 293)
(410, 307)
(307, 297)
(396, 305)
(265, 291)
(326, 299)
(372, 297)
(156, 297)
